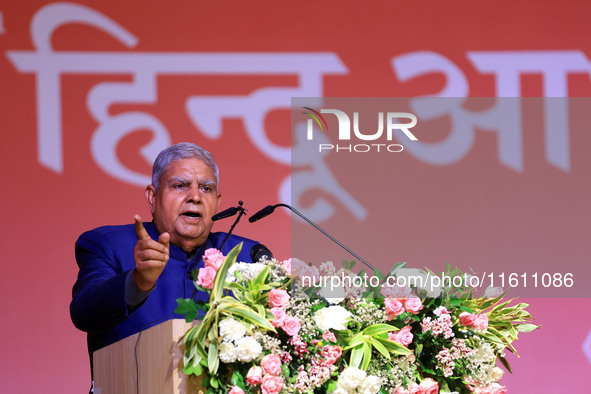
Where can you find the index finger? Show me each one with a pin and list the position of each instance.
(139, 228)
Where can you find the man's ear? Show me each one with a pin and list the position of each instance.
(219, 201)
(150, 194)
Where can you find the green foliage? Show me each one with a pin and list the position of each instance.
(186, 307)
(363, 343)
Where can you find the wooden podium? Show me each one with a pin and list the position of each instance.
(158, 359)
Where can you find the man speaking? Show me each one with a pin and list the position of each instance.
(130, 276)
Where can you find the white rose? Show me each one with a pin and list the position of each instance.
(247, 349)
(227, 352)
(333, 317)
(231, 329)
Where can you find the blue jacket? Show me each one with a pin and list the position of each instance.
(105, 256)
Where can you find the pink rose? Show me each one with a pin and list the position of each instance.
(271, 384)
(413, 305)
(280, 316)
(467, 319)
(254, 375)
(213, 258)
(329, 336)
(403, 336)
(496, 388)
(470, 383)
(205, 277)
(271, 364)
(297, 266)
(309, 275)
(291, 325)
(331, 354)
(393, 307)
(429, 386)
(481, 322)
(278, 298)
(287, 266)
(395, 291)
(236, 390)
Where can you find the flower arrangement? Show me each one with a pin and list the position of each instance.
(263, 331)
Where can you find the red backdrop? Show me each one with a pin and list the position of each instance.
(92, 91)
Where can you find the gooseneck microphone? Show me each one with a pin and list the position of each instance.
(226, 213)
(269, 209)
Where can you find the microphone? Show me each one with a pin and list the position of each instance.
(269, 209)
(260, 251)
(262, 213)
(226, 213)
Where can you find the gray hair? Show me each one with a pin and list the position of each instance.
(183, 150)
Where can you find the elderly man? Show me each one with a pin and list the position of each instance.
(131, 275)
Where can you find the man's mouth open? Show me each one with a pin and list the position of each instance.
(191, 215)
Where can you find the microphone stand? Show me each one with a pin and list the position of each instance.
(241, 211)
(272, 208)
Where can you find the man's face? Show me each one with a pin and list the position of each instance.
(185, 202)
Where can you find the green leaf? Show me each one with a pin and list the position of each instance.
(261, 310)
(397, 266)
(262, 276)
(505, 363)
(285, 370)
(378, 274)
(331, 386)
(348, 264)
(238, 380)
(378, 329)
(218, 285)
(235, 286)
(193, 367)
(418, 349)
(248, 314)
(248, 297)
(526, 327)
(356, 356)
(213, 360)
(394, 347)
(197, 369)
(366, 356)
(186, 306)
(379, 347)
(455, 302)
(214, 382)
